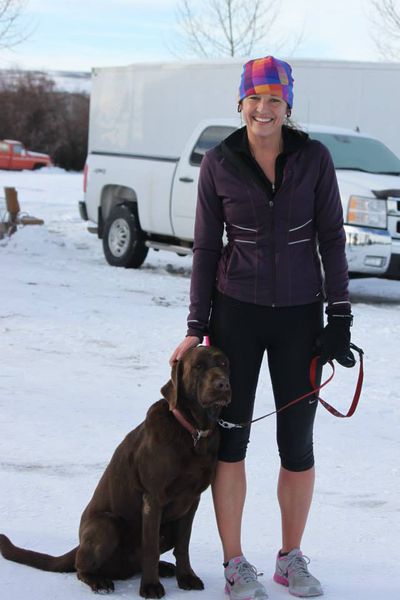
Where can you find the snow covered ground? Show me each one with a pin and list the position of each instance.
(84, 351)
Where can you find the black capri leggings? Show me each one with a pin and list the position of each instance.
(244, 331)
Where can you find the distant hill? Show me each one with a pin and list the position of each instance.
(66, 81)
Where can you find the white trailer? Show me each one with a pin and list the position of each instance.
(151, 123)
(131, 106)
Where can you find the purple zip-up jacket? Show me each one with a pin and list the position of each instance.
(274, 239)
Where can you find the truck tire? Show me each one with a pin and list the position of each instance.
(123, 240)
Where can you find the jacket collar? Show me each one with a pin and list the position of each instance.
(293, 140)
(236, 150)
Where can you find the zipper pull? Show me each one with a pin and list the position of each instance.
(271, 204)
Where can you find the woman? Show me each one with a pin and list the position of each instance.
(275, 192)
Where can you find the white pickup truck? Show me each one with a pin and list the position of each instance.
(141, 202)
(149, 129)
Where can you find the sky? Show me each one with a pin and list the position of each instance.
(78, 35)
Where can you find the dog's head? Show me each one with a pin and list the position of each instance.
(200, 377)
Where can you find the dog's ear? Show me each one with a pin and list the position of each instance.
(170, 390)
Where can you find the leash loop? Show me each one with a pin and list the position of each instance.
(357, 392)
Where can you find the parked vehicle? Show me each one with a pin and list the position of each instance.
(368, 174)
(14, 156)
(145, 150)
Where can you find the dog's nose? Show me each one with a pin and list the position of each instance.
(222, 384)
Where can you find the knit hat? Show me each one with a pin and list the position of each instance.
(267, 75)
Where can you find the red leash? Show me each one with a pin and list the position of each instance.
(313, 375)
(357, 393)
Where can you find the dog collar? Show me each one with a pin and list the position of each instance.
(196, 434)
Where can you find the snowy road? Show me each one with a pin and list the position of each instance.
(84, 351)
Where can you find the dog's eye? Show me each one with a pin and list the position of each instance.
(198, 366)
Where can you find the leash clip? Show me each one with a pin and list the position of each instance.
(198, 434)
(227, 425)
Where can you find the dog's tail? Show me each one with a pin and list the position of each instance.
(45, 562)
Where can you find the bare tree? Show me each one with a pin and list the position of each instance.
(44, 118)
(226, 27)
(385, 18)
(10, 32)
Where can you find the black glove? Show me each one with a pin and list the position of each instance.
(334, 341)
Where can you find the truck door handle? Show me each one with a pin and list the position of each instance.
(186, 179)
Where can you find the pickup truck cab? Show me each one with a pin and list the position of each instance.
(15, 157)
(142, 202)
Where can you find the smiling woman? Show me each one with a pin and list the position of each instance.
(265, 102)
(274, 191)
(264, 114)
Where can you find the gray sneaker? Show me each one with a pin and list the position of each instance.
(291, 570)
(241, 581)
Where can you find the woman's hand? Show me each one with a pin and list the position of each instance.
(189, 342)
(334, 341)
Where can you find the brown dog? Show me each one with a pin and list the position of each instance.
(147, 497)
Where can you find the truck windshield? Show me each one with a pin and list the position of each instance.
(18, 149)
(358, 153)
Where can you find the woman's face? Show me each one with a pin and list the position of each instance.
(264, 114)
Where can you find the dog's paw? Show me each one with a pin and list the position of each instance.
(166, 569)
(100, 585)
(189, 581)
(105, 589)
(152, 590)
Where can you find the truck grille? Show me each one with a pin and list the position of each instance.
(393, 210)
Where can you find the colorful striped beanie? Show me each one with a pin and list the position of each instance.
(267, 75)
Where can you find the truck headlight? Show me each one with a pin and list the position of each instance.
(368, 212)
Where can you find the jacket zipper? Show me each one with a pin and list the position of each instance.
(271, 206)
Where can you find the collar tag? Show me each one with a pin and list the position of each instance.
(199, 433)
(195, 433)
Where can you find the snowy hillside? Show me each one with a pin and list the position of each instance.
(84, 352)
(66, 81)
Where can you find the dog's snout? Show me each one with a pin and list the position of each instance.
(222, 384)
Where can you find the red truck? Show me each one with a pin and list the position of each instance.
(15, 157)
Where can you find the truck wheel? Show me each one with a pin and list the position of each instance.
(123, 240)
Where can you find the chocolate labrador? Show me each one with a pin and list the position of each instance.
(147, 497)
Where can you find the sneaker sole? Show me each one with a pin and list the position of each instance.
(228, 592)
(281, 580)
(284, 581)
